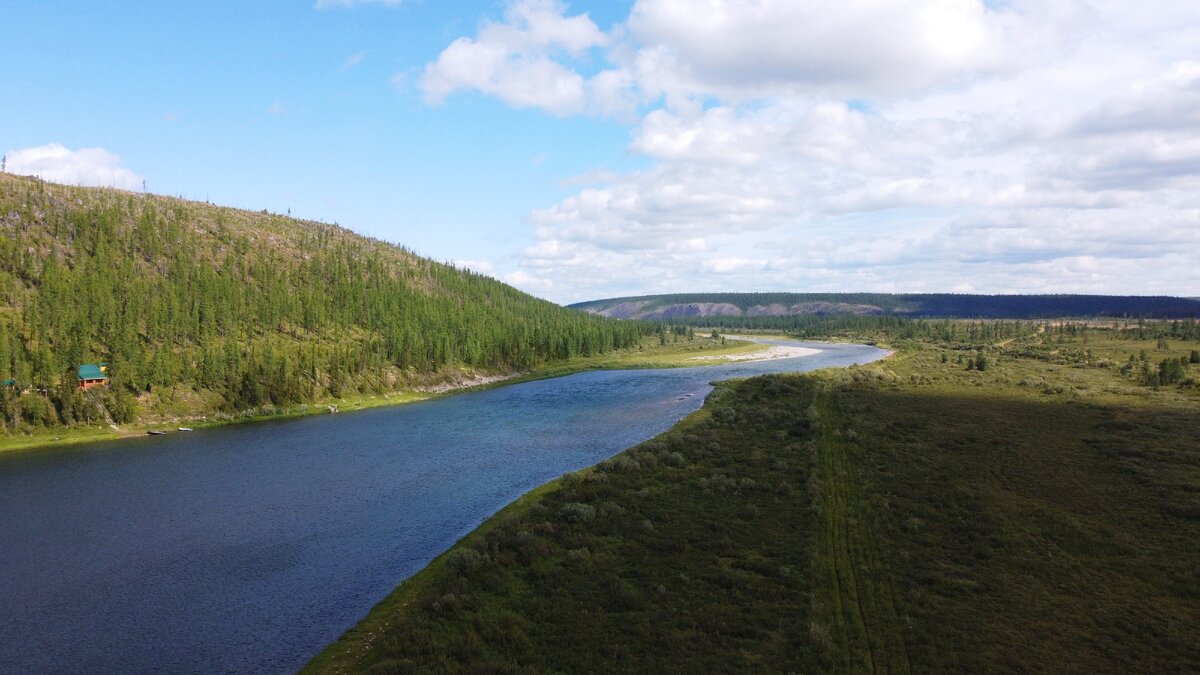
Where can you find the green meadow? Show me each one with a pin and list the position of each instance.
(919, 514)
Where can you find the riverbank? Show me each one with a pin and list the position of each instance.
(912, 515)
(302, 525)
(772, 353)
(650, 354)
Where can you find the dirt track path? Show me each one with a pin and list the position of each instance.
(856, 601)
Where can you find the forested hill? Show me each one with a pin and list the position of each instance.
(934, 305)
(245, 308)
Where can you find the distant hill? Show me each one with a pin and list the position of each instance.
(691, 307)
(241, 308)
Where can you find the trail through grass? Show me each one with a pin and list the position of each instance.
(854, 594)
(1041, 515)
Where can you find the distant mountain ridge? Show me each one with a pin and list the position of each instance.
(677, 307)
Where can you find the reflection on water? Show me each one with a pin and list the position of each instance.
(248, 548)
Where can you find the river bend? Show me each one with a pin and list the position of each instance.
(247, 548)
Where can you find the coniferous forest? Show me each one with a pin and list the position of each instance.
(249, 308)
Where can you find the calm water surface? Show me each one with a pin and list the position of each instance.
(246, 549)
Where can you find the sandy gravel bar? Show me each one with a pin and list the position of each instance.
(775, 352)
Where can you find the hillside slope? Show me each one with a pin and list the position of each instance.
(752, 308)
(236, 309)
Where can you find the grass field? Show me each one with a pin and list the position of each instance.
(909, 516)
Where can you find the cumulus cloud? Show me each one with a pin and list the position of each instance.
(517, 60)
(1030, 145)
(732, 46)
(85, 166)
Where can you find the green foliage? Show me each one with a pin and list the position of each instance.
(576, 512)
(462, 561)
(694, 562)
(870, 327)
(1039, 514)
(1172, 371)
(981, 361)
(263, 310)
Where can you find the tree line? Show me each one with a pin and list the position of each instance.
(257, 307)
(938, 305)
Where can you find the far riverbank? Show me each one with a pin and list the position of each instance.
(650, 354)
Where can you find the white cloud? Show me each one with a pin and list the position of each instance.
(1031, 145)
(737, 45)
(516, 60)
(85, 166)
(478, 266)
(353, 60)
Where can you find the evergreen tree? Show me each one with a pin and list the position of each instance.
(259, 309)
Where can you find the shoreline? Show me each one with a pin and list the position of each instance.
(853, 412)
(770, 354)
(65, 437)
(342, 653)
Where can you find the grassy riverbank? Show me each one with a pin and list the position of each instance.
(185, 407)
(1040, 514)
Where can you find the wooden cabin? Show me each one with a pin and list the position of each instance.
(92, 375)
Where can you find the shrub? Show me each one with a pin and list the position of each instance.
(674, 459)
(609, 510)
(461, 561)
(576, 512)
(447, 603)
(37, 411)
(718, 481)
(620, 464)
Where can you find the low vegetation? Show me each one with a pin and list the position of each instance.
(1039, 513)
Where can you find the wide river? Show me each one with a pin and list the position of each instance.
(246, 549)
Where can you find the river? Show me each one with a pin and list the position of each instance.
(247, 548)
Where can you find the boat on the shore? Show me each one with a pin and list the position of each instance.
(155, 433)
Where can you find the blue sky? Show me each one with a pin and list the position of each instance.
(280, 105)
(589, 149)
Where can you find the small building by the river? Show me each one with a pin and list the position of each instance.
(92, 375)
